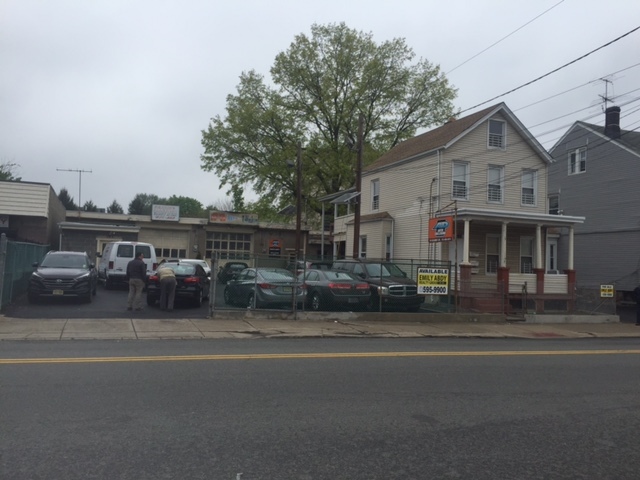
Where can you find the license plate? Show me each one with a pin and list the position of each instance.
(287, 289)
(352, 300)
(58, 292)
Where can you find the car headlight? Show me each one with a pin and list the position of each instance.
(83, 277)
(383, 291)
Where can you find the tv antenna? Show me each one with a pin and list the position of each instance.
(606, 98)
(80, 172)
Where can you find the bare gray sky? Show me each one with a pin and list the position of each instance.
(124, 88)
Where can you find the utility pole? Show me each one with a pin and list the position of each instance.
(80, 172)
(356, 217)
(298, 200)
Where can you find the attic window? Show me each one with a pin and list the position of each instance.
(496, 134)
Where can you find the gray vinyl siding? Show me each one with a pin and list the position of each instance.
(607, 244)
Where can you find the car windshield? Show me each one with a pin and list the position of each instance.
(384, 270)
(331, 275)
(64, 261)
(181, 268)
(276, 275)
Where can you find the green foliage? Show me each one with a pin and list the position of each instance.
(323, 84)
(89, 206)
(7, 172)
(189, 207)
(237, 195)
(142, 203)
(115, 207)
(66, 199)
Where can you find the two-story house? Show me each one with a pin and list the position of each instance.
(489, 174)
(596, 173)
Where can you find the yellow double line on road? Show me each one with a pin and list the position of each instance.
(289, 356)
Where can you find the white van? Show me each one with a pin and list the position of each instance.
(115, 257)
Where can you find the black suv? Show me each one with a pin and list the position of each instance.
(63, 274)
(391, 289)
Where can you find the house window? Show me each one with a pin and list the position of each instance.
(460, 187)
(363, 247)
(170, 252)
(493, 253)
(375, 194)
(577, 161)
(497, 134)
(228, 245)
(526, 254)
(495, 180)
(528, 187)
(554, 204)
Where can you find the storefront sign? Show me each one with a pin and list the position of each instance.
(441, 229)
(275, 248)
(235, 218)
(168, 213)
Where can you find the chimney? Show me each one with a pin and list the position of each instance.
(612, 122)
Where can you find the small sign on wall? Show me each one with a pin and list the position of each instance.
(606, 291)
(4, 221)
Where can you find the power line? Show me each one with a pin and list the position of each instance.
(503, 38)
(552, 71)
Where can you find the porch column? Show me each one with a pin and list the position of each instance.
(539, 271)
(465, 268)
(465, 247)
(503, 271)
(570, 265)
(571, 275)
(538, 246)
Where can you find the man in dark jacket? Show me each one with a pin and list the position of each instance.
(137, 275)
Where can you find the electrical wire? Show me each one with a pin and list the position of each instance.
(552, 71)
(503, 38)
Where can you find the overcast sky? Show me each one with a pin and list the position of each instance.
(123, 88)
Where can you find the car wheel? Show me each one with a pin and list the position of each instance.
(32, 298)
(197, 301)
(250, 299)
(108, 284)
(88, 297)
(316, 302)
(227, 297)
(151, 300)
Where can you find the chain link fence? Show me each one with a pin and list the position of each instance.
(16, 267)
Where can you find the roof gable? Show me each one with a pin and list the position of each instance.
(629, 140)
(446, 135)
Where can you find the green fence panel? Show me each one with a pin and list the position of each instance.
(18, 266)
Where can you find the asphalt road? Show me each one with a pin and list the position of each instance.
(320, 409)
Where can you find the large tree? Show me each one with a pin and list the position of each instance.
(142, 203)
(189, 207)
(7, 172)
(66, 199)
(322, 84)
(115, 207)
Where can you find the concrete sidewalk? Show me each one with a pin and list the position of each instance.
(272, 326)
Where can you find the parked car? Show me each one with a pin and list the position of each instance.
(63, 274)
(115, 257)
(328, 289)
(202, 263)
(264, 287)
(229, 269)
(391, 288)
(192, 283)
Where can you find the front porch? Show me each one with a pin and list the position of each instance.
(507, 293)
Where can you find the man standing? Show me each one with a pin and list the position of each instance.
(167, 287)
(137, 275)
